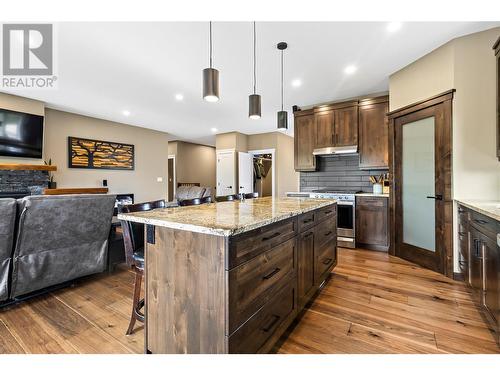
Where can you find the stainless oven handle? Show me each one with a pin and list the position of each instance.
(343, 203)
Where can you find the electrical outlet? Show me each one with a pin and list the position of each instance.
(159, 179)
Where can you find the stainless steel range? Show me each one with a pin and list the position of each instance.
(346, 210)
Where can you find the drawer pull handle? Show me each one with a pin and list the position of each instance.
(479, 221)
(328, 212)
(275, 319)
(308, 220)
(308, 234)
(327, 261)
(274, 272)
(328, 233)
(271, 236)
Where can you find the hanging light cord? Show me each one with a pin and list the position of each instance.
(210, 44)
(282, 80)
(254, 59)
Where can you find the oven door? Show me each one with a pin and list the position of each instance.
(345, 219)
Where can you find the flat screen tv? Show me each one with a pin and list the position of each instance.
(21, 134)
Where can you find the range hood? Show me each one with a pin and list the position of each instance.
(339, 150)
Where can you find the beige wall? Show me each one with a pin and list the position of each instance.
(150, 150)
(194, 163)
(466, 64)
(286, 178)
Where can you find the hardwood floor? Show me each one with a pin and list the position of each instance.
(373, 303)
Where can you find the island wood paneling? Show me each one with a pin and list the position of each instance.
(185, 292)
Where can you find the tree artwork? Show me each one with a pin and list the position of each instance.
(88, 153)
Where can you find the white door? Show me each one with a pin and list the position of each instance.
(245, 173)
(226, 173)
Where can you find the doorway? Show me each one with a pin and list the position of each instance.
(421, 203)
(171, 178)
(226, 172)
(263, 172)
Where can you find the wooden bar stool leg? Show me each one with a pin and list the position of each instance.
(135, 303)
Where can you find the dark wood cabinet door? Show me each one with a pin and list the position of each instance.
(372, 223)
(305, 265)
(496, 47)
(373, 136)
(325, 129)
(491, 269)
(305, 139)
(346, 126)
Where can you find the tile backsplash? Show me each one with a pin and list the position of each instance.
(339, 172)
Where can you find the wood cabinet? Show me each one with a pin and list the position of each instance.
(336, 125)
(372, 222)
(496, 48)
(305, 140)
(346, 126)
(317, 251)
(325, 128)
(483, 266)
(374, 133)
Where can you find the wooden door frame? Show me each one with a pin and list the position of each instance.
(174, 183)
(444, 99)
(271, 151)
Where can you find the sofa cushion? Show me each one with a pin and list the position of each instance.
(60, 238)
(189, 192)
(7, 226)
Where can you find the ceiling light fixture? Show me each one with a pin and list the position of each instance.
(210, 77)
(282, 115)
(179, 97)
(126, 113)
(254, 100)
(296, 83)
(394, 26)
(350, 69)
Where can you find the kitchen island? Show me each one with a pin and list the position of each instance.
(230, 277)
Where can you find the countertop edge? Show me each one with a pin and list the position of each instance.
(473, 205)
(383, 195)
(219, 231)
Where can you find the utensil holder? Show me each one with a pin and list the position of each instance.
(377, 188)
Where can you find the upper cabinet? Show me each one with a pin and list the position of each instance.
(496, 47)
(346, 126)
(361, 123)
(305, 139)
(373, 133)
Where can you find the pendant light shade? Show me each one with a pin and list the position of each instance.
(254, 102)
(282, 115)
(210, 78)
(210, 84)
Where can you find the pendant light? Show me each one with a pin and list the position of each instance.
(254, 106)
(282, 115)
(210, 78)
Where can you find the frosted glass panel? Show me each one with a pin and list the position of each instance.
(418, 183)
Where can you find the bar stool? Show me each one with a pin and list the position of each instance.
(195, 201)
(251, 195)
(228, 198)
(133, 239)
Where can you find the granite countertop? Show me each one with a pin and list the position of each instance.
(488, 208)
(228, 218)
(372, 195)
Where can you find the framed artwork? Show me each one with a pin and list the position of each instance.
(93, 154)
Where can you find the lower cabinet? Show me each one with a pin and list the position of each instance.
(482, 261)
(317, 255)
(372, 222)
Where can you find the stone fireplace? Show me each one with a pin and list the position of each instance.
(18, 180)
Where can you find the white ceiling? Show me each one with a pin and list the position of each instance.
(106, 68)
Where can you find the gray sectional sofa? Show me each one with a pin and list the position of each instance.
(56, 239)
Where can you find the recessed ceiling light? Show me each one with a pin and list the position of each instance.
(126, 113)
(350, 69)
(213, 130)
(393, 26)
(179, 97)
(296, 83)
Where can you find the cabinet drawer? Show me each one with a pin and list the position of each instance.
(485, 224)
(307, 220)
(253, 283)
(250, 337)
(328, 211)
(250, 244)
(371, 202)
(325, 259)
(326, 231)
